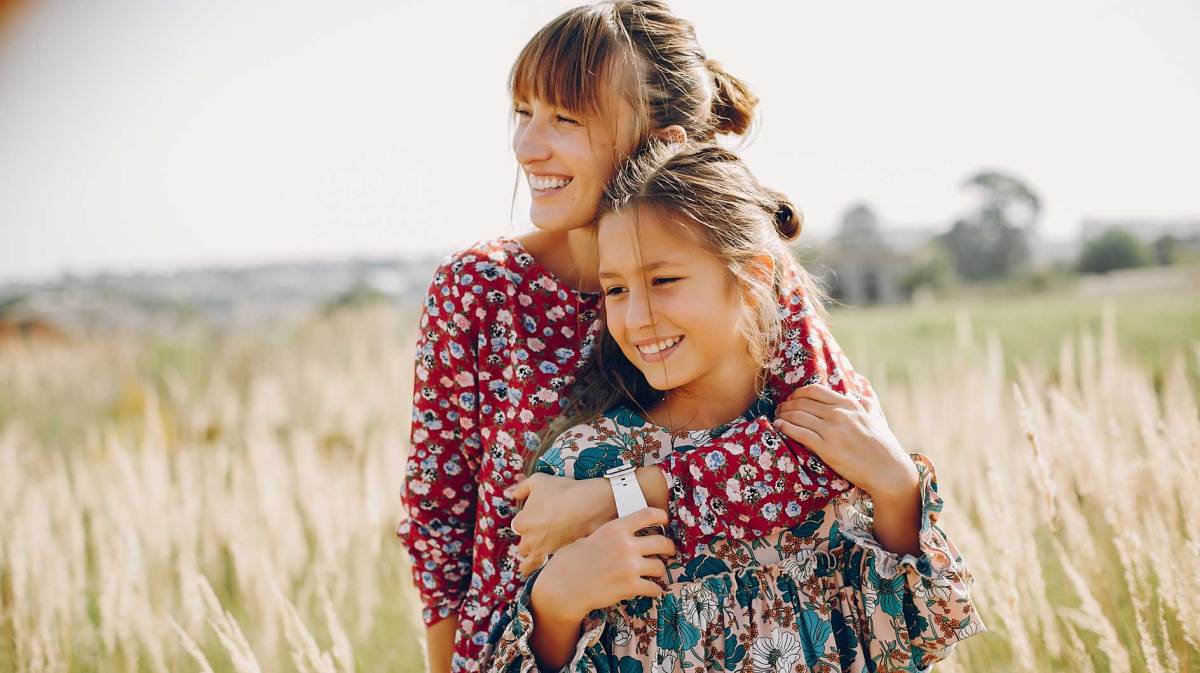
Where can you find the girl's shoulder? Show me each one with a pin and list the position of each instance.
(616, 437)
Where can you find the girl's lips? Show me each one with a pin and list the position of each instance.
(662, 354)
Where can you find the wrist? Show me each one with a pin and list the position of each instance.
(901, 486)
(552, 599)
(603, 505)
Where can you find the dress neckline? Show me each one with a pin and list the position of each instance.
(763, 406)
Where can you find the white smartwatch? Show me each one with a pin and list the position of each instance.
(626, 490)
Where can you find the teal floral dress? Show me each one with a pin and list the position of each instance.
(822, 596)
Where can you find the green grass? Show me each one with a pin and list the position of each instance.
(900, 339)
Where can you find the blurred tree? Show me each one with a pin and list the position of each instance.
(1166, 249)
(931, 270)
(992, 242)
(1114, 249)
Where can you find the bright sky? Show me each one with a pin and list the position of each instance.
(138, 134)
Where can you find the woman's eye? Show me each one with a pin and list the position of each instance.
(520, 111)
(664, 281)
(614, 291)
(567, 120)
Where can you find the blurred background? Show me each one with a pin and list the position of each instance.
(217, 221)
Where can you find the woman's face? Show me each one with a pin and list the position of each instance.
(669, 302)
(568, 157)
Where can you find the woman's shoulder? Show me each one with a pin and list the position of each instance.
(491, 259)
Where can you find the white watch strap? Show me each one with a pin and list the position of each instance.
(626, 490)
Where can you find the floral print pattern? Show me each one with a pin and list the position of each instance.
(819, 596)
(499, 344)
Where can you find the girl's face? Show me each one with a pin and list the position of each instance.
(670, 303)
(568, 157)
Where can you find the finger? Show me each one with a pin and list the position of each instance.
(644, 587)
(647, 516)
(814, 407)
(519, 490)
(803, 435)
(822, 393)
(651, 567)
(803, 419)
(655, 545)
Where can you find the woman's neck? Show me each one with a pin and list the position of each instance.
(570, 255)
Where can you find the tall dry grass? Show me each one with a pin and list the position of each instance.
(226, 504)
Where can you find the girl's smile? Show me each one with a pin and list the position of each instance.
(657, 350)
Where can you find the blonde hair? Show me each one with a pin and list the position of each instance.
(639, 50)
(738, 220)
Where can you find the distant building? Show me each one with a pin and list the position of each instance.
(866, 264)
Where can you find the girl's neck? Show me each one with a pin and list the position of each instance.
(719, 397)
(569, 255)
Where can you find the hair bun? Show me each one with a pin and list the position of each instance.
(733, 102)
(788, 220)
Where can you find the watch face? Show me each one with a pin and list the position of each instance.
(655, 529)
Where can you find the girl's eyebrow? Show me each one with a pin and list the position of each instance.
(645, 269)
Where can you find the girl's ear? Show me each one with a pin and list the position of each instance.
(762, 267)
(674, 134)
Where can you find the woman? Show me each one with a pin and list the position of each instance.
(507, 323)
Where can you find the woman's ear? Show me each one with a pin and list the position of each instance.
(673, 134)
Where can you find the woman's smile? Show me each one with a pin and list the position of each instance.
(542, 185)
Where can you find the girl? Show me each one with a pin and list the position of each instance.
(507, 323)
(690, 258)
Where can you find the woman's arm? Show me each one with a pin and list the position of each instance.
(440, 475)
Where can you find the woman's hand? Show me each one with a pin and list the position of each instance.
(851, 438)
(556, 512)
(608, 566)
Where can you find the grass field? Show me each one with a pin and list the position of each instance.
(192, 502)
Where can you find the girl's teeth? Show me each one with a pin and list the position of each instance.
(537, 182)
(651, 349)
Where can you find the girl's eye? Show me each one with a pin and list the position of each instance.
(665, 280)
(567, 120)
(614, 291)
(520, 111)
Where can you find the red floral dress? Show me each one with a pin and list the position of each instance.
(500, 341)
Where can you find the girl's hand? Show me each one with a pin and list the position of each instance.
(851, 438)
(608, 566)
(556, 512)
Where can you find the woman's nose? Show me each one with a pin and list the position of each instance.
(529, 143)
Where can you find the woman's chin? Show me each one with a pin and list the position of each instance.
(556, 223)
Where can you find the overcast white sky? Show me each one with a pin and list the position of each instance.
(141, 134)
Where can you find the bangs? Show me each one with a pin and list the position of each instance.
(568, 62)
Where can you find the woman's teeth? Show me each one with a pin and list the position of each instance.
(544, 183)
(651, 349)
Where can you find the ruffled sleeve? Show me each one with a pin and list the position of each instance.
(928, 593)
(509, 649)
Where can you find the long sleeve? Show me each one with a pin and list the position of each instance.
(509, 649)
(440, 476)
(756, 480)
(928, 594)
